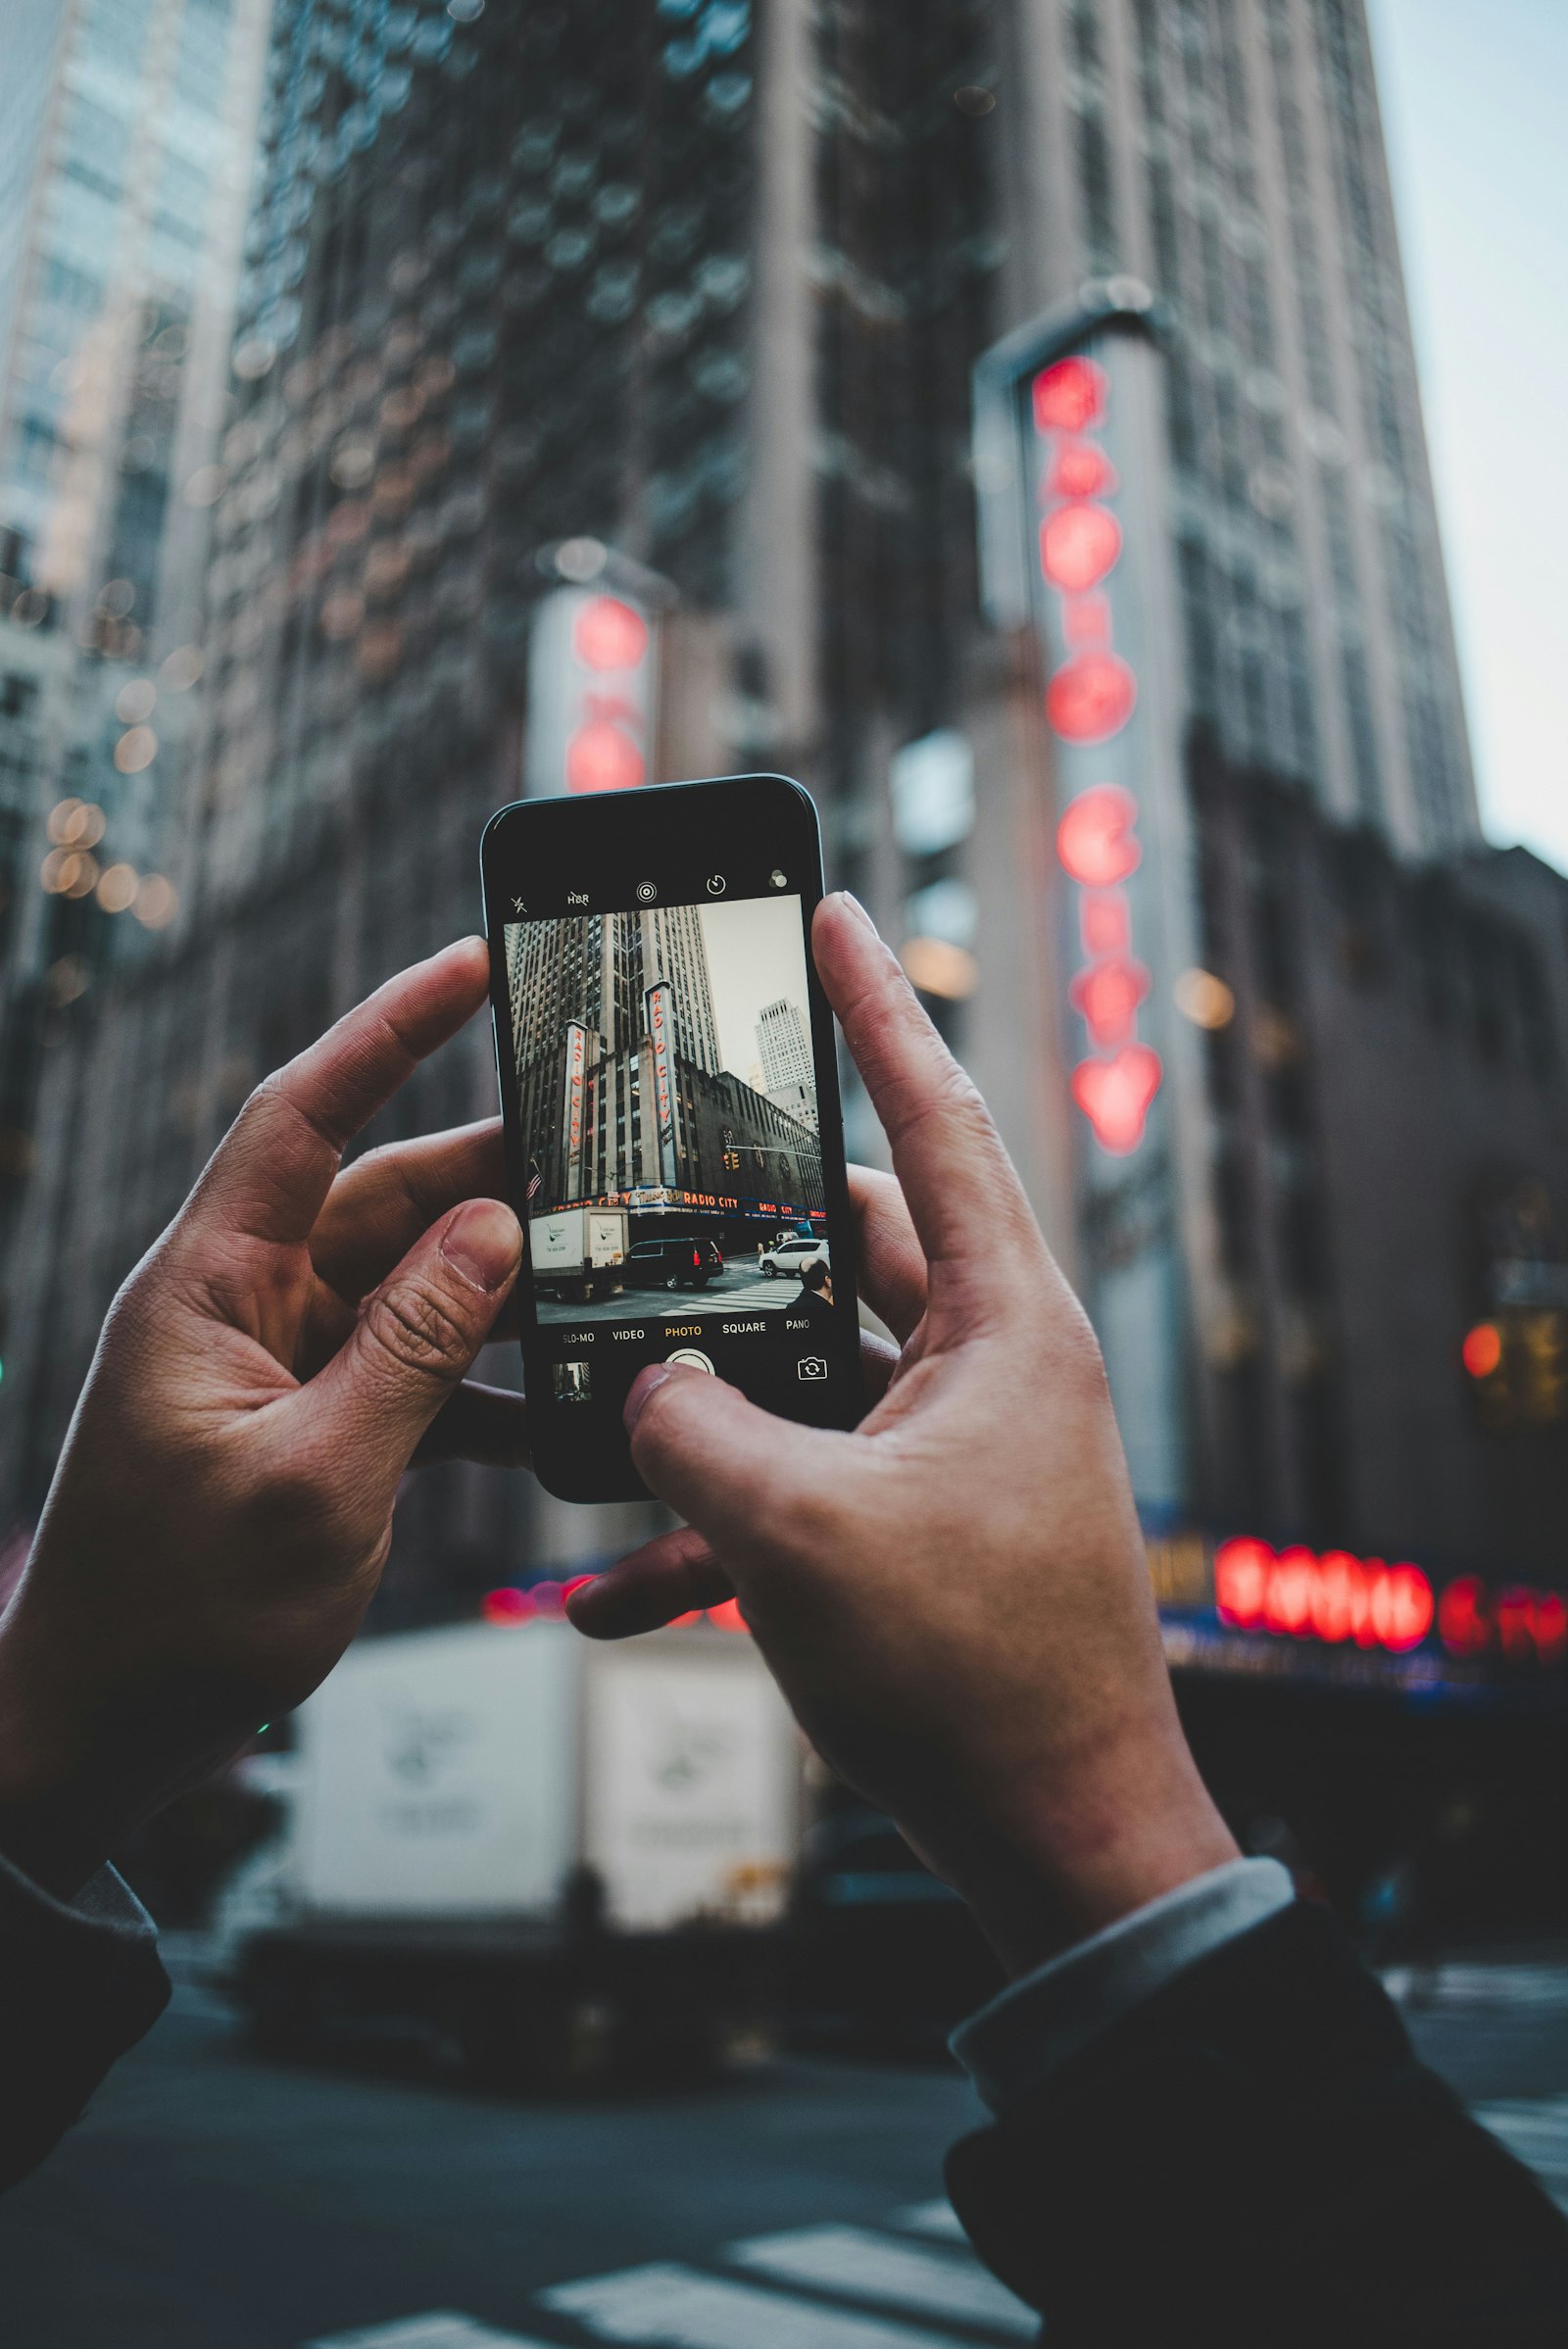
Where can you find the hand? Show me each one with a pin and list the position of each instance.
(955, 1599)
(223, 1506)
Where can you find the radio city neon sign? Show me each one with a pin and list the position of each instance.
(1343, 1600)
(1088, 699)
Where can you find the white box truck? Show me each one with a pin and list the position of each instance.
(559, 1856)
(580, 1252)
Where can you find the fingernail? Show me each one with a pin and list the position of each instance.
(858, 910)
(645, 1383)
(484, 1242)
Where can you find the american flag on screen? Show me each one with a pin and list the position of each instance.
(535, 1178)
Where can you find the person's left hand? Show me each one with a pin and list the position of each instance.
(222, 1507)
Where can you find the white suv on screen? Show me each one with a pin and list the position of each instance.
(791, 1255)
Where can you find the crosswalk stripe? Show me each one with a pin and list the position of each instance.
(1534, 2131)
(938, 2219)
(663, 2306)
(441, 2329)
(862, 2266)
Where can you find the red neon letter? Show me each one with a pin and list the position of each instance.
(1105, 922)
(1401, 1607)
(1070, 395)
(1078, 545)
(610, 635)
(601, 758)
(1081, 470)
(1109, 995)
(1464, 1616)
(1115, 1095)
(1091, 697)
(1241, 1581)
(1096, 840)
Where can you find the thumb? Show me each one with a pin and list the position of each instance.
(728, 1468)
(415, 1339)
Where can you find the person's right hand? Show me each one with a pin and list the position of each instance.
(955, 1599)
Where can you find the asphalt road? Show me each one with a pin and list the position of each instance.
(210, 2200)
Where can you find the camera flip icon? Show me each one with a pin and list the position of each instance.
(811, 1366)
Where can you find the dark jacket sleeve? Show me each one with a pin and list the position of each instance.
(1255, 2155)
(78, 1985)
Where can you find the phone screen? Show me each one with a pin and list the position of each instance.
(672, 1114)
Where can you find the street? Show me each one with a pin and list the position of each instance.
(210, 2200)
(739, 1286)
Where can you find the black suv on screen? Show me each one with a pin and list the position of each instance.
(677, 1262)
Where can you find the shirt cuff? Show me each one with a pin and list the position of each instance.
(1034, 2026)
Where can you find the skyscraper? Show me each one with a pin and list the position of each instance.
(708, 286)
(126, 137)
(783, 1045)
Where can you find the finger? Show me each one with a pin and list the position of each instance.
(413, 1343)
(878, 1362)
(964, 1199)
(664, 1578)
(721, 1462)
(379, 1206)
(486, 1424)
(271, 1172)
(891, 1264)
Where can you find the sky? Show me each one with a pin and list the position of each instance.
(756, 953)
(1475, 107)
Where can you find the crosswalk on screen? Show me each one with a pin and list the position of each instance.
(668, 1105)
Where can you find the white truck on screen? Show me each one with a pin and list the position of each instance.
(556, 1855)
(579, 1253)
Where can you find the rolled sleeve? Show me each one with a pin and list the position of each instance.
(81, 1981)
(1034, 2026)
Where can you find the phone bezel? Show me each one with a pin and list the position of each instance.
(582, 1455)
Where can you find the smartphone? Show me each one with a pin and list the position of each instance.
(670, 1098)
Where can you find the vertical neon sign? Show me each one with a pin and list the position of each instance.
(659, 1028)
(1090, 696)
(576, 1064)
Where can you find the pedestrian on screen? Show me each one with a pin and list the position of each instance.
(815, 1299)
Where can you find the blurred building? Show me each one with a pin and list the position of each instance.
(127, 140)
(681, 300)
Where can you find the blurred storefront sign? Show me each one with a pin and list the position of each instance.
(1241, 1605)
(592, 675)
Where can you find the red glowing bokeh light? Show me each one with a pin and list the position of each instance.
(1109, 994)
(1464, 1616)
(1081, 470)
(1078, 545)
(1097, 838)
(728, 1617)
(1550, 1625)
(1091, 697)
(1105, 921)
(506, 1606)
(1482, 1350)
(610, 634)
(600, 756)
(1115, 1095)
(1070, 395)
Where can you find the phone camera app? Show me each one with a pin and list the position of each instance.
(810, 1366)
